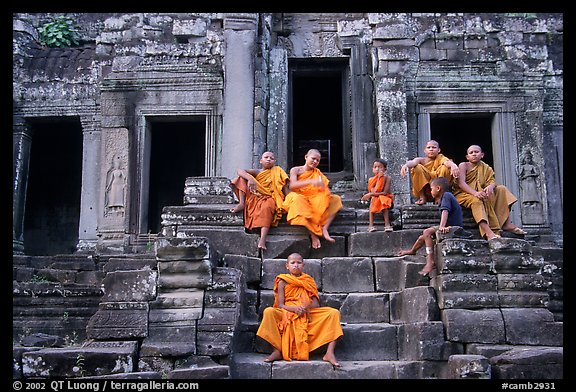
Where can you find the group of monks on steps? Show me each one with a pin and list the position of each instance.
(296, 324)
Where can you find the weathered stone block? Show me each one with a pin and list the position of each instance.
(196, 248)
(532, 326)
(474, 326)
(365, 308)
(336, 276)
(425, 341)
(119, 320)
(129, 286)
(468, 367)
(416, 304)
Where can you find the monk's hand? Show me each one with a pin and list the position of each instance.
(318, 182)
(489, 190)
(455, 172)
(251, 185)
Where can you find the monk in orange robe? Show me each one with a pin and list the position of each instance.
(379, 194)
(310, 202)
(490, 203)
(296, 324)
(424, 169)
(260, 194)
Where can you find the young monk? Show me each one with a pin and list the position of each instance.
(379, 194)
(450, 215)
(310, 202)
(260, 194)
(296, 324)
(490, 203)
(423, 169)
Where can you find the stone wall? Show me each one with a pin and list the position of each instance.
(233, 70)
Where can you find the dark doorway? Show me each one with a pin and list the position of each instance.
(177, 152)
(52, 213)
(316, 112)
(455, 132)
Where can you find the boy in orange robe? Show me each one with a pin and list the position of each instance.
(379, 194)
(296, 324)
(310, 202)
(424, 169)
(260, 194)
(490, 203)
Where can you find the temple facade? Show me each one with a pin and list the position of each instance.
(105, 133)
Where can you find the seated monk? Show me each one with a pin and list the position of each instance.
(296, 324)
(310, 202)
(260, 194)
(490, 203)
(424, 169)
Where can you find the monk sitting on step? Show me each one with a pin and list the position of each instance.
(490, 203)
(423, 169)
(296, 324)
(310, 202)
(260, 194)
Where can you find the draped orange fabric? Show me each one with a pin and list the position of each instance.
(297, 336)
(311, 206)
(422, 174)
(263, 208)
(381, 202)
(495, 209)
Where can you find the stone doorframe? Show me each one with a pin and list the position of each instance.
(144, 114)
(361, 128)
(503, 134)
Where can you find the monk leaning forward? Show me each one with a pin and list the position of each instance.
(424, 169)
(260, 194)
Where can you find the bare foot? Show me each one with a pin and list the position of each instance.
(275, 356)
(327, 236)
(239, 207)
(315, 241)
(427, 269)
(262, 245)
(405, 252)
(332, 359)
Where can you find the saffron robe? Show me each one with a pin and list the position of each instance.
(263, 208)
(422, 174)
(495, 209)
(296, 336)
(311, 206)
(381, 202)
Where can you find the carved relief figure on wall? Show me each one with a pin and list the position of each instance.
(115, 189)
(528, 174)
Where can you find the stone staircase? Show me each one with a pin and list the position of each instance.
(191, 309)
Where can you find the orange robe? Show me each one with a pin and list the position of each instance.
(422, 174)
(381, 202)
(263, 208)
(311, 206)
(297, 336)
(495, 209)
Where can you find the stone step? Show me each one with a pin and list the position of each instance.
(252, 365)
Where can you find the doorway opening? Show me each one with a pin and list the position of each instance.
(177, 151)
(455, 132)
(316, 117)
(52, 211)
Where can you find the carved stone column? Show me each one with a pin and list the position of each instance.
(238, 118)
(21, 162)
(89, 200)
(363, 139)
